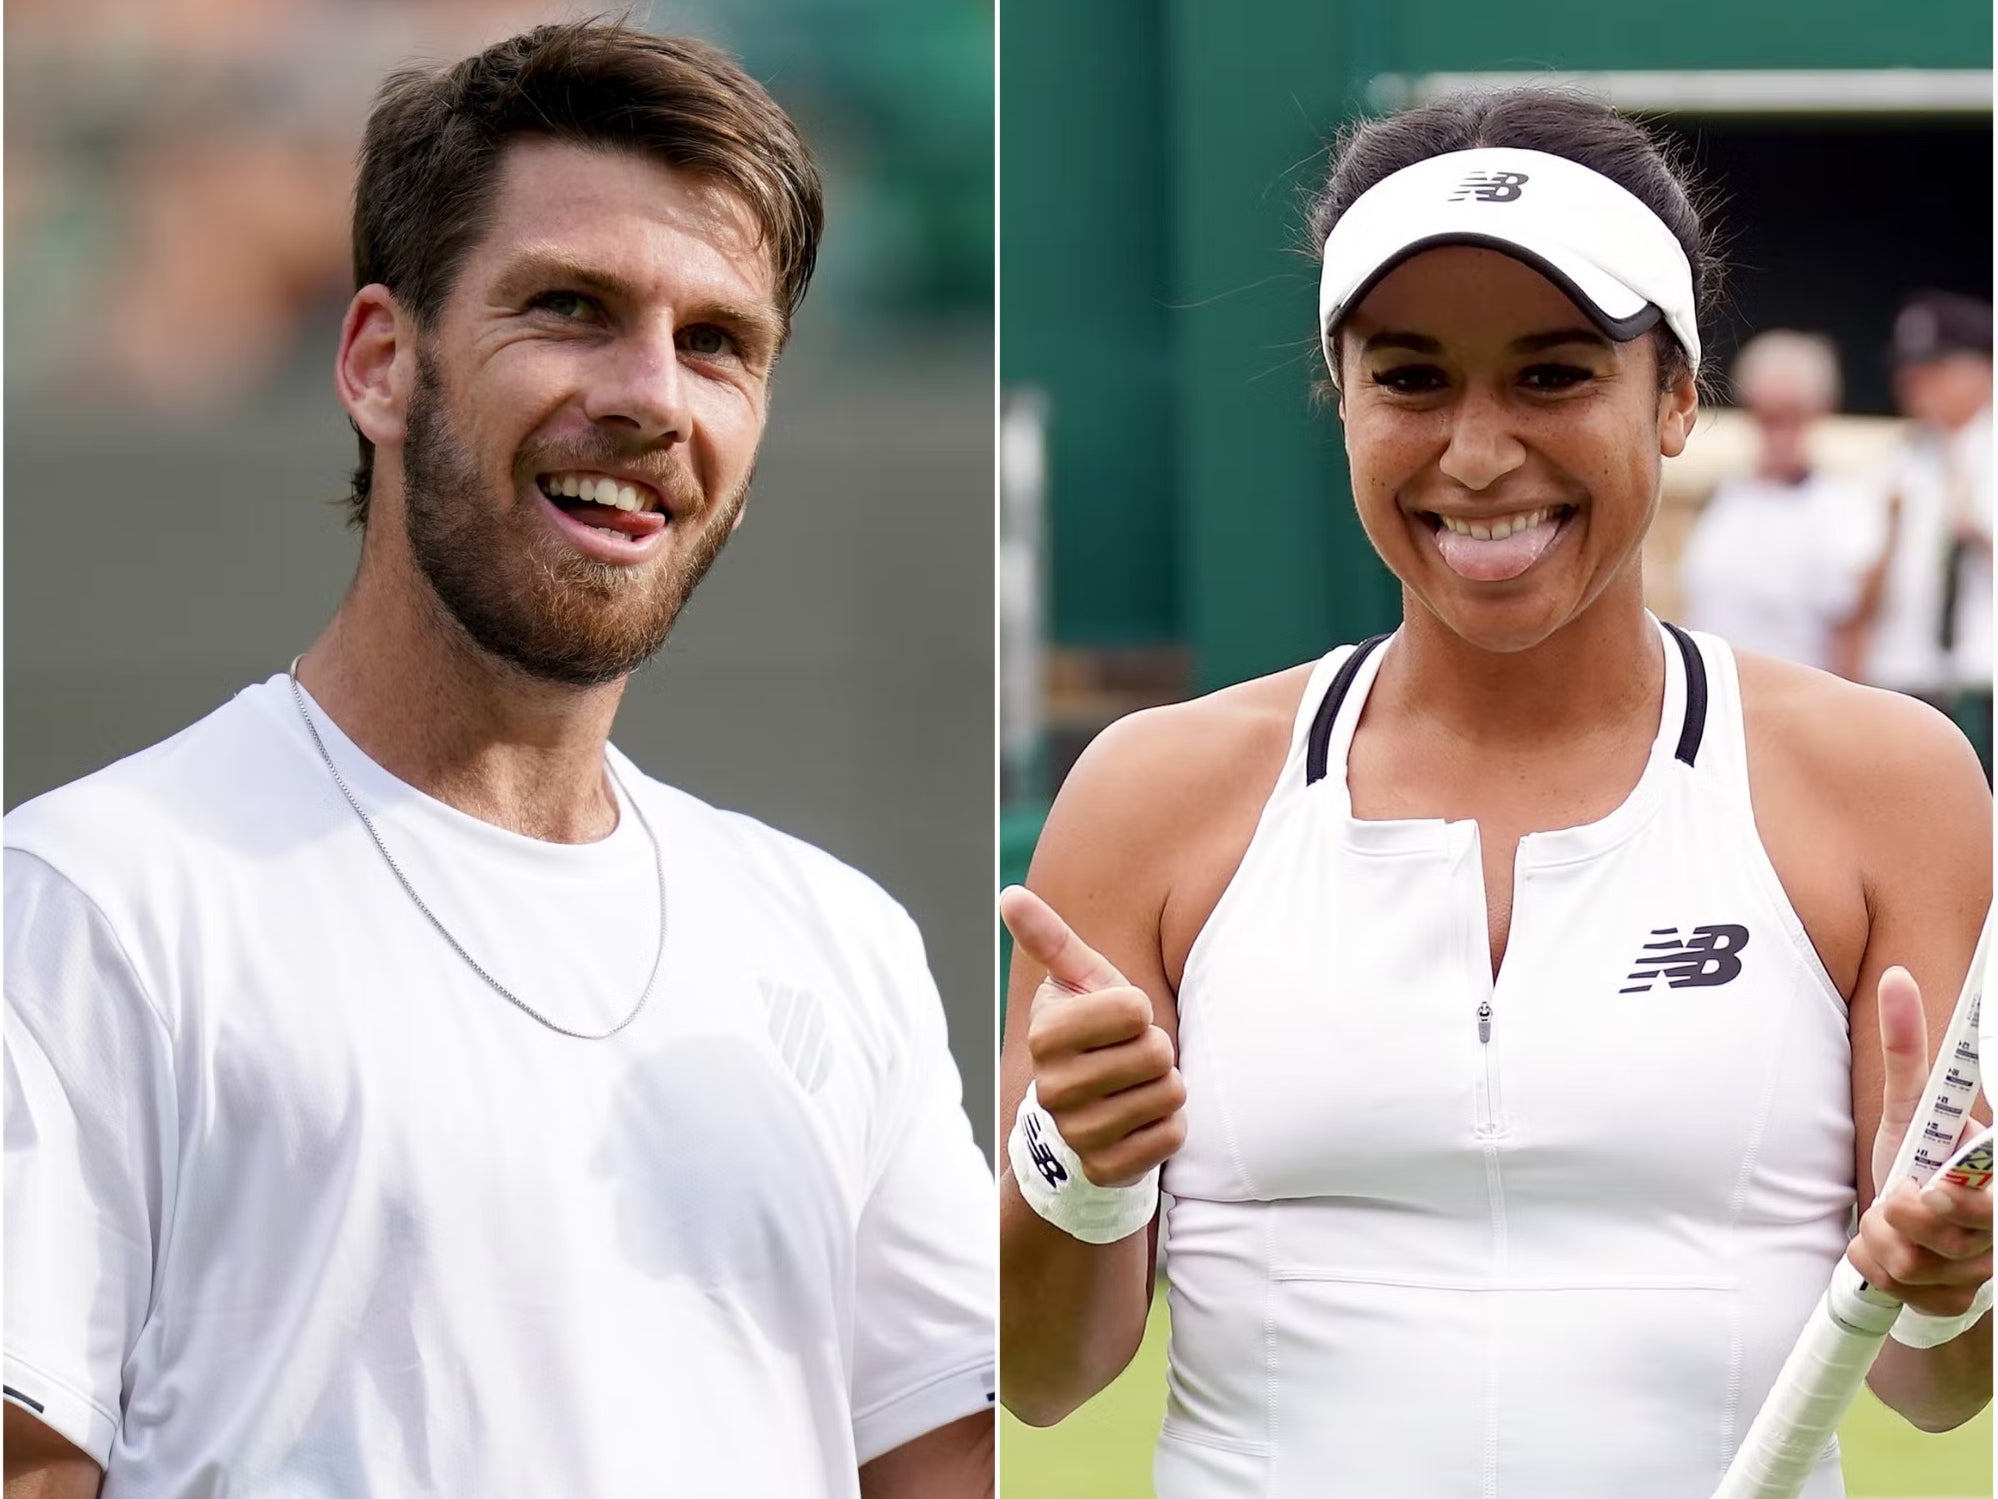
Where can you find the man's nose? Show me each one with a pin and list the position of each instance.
(641, 389)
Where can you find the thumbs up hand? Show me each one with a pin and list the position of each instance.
(1932, 1248)
(1102, 1069)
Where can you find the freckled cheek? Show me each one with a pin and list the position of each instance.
(1384, 461)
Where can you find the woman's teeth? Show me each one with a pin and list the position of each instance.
(1500, 528)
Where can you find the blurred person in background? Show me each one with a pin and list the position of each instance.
(1770, 565)
(406, 1093)
(1925, 615)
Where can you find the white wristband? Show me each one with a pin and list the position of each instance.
(1920, 1330)
(1051, 1179)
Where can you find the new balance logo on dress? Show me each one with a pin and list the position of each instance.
(1710, 956)
(1489, 187)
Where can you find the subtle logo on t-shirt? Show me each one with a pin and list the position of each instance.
(1709, 957)
(799, 1031)
(1489, 187)
(1042, 1155)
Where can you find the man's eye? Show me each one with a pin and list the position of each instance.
(705, 339)
(564, 304)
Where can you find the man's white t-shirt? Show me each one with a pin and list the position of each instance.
(1932, 476)
(1775, 567)
(297, 1205)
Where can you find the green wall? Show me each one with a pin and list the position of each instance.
(1082, 173)
(1154, 162)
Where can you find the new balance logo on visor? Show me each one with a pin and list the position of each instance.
(1045, 1161)
(1710, 956)
(1489, 187)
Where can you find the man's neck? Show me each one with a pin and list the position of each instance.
(425, 703)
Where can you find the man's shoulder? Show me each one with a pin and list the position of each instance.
(770, 864)
(159, 804)
(797, 911)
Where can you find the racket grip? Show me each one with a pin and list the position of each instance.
(1817, 1384)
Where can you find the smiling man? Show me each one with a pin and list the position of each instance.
(406, 1093)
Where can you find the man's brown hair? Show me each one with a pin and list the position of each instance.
(430, 162)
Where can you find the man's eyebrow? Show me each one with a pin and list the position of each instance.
(761, 324)
(539, 267)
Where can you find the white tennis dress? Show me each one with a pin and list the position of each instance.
(1435, 1236)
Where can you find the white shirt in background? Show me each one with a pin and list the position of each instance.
(1932, 475)
(1774, 567)
(296, 1205)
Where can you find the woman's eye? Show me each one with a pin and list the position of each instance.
(1410, 379)
(706, 339)
(1554, 376)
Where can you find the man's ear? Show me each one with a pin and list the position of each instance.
(375, 369)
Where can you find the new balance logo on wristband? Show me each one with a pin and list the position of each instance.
(1489, 187)
(1045, 1162)
(1707, 958)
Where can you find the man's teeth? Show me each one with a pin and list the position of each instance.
(1499, 529)
(595, 491)
(607, 531)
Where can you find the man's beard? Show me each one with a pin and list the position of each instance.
(518, 591)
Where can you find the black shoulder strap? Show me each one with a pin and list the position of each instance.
(1696, 696)
(1328, 710)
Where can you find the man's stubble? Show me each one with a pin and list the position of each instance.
(514, 587)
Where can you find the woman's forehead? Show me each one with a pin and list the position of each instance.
(1466, 292)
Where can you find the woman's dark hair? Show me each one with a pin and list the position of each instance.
(1537, 118)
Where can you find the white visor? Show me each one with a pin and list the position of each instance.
(1613, 256)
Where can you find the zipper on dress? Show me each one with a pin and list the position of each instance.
(1491, 1121)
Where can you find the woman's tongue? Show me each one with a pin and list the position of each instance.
(1495, 561)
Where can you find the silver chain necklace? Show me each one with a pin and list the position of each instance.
(658, 869)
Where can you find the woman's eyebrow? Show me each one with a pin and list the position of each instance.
(1395, 338)
(1532, 343)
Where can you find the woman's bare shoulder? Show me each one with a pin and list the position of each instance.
(1882, 752)
(1181, 757)
(1878, 777)
(1156, 813)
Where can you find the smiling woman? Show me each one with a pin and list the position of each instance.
(1362, 967)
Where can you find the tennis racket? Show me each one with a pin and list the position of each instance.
(1839, 1343)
